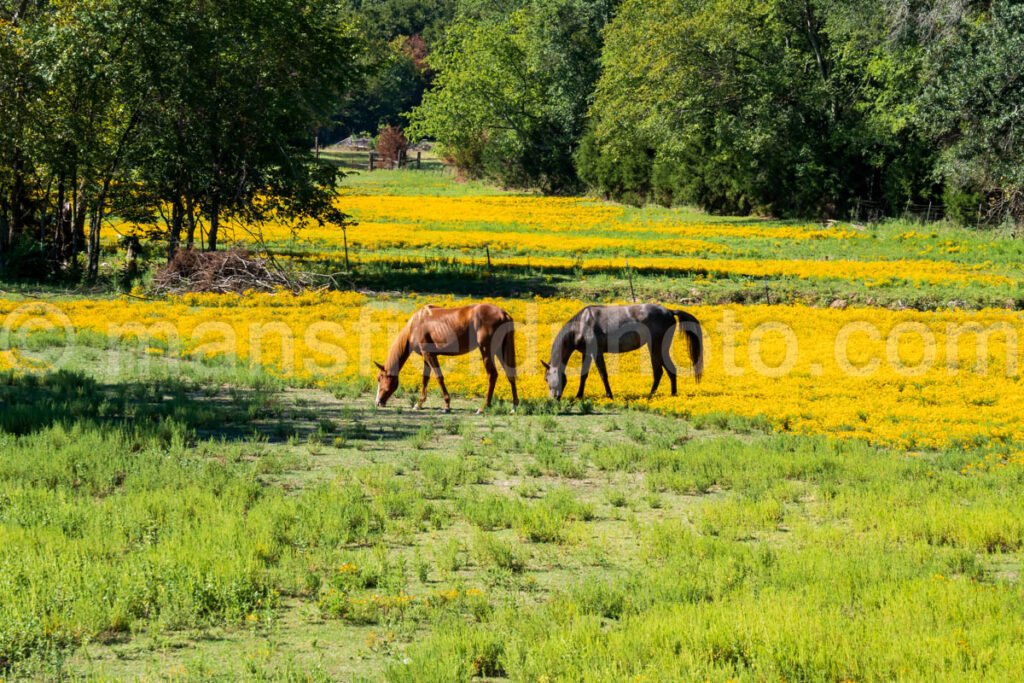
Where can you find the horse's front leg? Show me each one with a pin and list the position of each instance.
(431, 360)
(584, 371)
(603, 371)
(426, 381)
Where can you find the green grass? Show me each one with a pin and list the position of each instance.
(182, 522)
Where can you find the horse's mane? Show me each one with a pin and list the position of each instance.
(564, 342)
(399, 352)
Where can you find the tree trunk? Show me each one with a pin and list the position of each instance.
(62, 224)
(95, 223)
(18, 199)
(177, 219)
(190, 219)
(813, 29)
(4, 227)
(214, 225)
(78, 210)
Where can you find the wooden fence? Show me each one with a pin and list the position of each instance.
(375, 161)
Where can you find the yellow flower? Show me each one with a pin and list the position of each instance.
(905, 379)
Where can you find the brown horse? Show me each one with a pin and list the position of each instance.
(434, 332)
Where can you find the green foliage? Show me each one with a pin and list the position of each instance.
(780, 107)
(512, 90)
(974, 100)
(390, 19)
(169, 115)
(395, 80)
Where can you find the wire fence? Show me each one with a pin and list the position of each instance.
(870, 211)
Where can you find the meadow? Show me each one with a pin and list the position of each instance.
(426, 233)
(198, 487)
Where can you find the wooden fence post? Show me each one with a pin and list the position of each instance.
(373, 158)
(418, 160)
(344, 234)
(629, 272)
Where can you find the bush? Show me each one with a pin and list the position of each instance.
(391, 144)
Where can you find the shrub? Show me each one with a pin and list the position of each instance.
(391, 144)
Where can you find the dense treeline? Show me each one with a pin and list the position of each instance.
(787, 107)
(179, 114)
(173, 113)
(512, 89)
(398, 35)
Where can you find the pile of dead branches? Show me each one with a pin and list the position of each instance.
(234, 271)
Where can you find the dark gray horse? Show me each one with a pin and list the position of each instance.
(597, 330)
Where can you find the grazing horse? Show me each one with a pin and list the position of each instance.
(434, 332)
(597, 330)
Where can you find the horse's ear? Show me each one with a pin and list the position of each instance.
(546, 366)
(379, 366)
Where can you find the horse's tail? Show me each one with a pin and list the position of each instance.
(507, 352)
(694, 339)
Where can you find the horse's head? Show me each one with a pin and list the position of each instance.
(555, 378)
(387, 384)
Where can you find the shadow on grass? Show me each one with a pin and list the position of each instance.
(448, 276)
(31, 403)
(444, 276)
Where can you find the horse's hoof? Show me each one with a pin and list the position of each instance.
(512, 412)
(446, 410)
(479, 411)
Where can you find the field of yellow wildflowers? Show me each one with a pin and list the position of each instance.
(500, 242)
(901, 378)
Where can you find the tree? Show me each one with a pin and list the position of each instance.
(239, 88)
(165, 110)
(396, 77)
(974, 103)
(512, 89)
(774, 106)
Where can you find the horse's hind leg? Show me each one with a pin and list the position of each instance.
(431, 360)
(510, 373)
(515, 394)
(670, 368)
(661, 358)
(666, 358)
(492, 375)
(656, 369)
